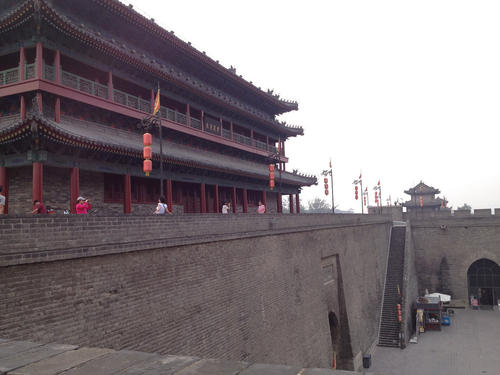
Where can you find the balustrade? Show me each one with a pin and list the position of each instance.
(93, 88)
(9, 76)
(259, 144)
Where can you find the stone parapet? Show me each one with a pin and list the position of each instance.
(31, 239)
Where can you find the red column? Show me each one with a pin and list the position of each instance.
(169, 194)
(267, 143)
(39, 101)
(110, 86)
(202, 117)
(245, 201)
(127, 196)
(22, 62)
(39, 61)
(203, 198)
(57, 66)
(23, 107)
(264, 199)
(231, 125)
(57, 110)
(233, 200)
(297, 203)
(74, 188)
(4, 183)
(38, 181)
(290, 200)
(251, 137)
(279, 206)
(217, 198)
(188, 114)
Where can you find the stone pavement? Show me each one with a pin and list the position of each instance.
(28, 358)
(471, 345)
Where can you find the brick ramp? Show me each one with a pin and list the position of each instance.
(29, 358)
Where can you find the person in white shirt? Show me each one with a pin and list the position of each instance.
(225, 208)
(162, 207)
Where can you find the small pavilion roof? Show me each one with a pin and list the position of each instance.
(422, 189)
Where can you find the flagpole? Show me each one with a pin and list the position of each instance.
(158, 115)
(361, 183)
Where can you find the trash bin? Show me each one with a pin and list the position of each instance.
(367, 360)
(446, 320)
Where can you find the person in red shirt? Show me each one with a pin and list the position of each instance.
(39, 208)
(82, 205)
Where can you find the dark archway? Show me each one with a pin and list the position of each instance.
(483, 280)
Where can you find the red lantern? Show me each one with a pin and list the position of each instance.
(364, 200)
(147, 139)
(147, 166)
(271, 176)
(325, 180)
(421, 202)
(326, 191)
(356, 192)
(326, 186)
(147, 152)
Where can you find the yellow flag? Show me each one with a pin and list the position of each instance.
(156, 107)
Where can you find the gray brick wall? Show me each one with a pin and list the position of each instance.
(251, 288)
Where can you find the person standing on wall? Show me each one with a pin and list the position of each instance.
(39, 208)
(262, 208)
(82, 206)
(2, 201)
(225, 208)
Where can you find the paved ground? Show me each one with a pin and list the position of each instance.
(471, 345)
(29, 358)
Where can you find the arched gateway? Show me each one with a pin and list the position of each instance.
(483, 280)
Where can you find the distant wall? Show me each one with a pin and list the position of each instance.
(241, 287)
(461, 239)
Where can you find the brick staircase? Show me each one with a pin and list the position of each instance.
(389, 326)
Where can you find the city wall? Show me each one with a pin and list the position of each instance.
(455, 241)
(236, 287)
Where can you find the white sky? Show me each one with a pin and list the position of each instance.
(401, 90)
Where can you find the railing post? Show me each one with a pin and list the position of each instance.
(231, 125)
(188, 115)
(202, 117)
(110, 87)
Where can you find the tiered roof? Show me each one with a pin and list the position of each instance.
(148, 61)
